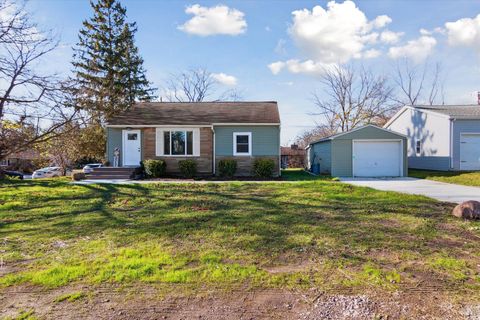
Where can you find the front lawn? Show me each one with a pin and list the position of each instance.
(318, 233)
(464, 178)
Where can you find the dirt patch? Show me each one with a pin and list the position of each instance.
(150, 302)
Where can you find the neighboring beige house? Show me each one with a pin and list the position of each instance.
(20, 160)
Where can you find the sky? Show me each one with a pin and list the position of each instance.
(277, 50)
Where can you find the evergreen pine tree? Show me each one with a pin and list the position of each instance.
(107, 65)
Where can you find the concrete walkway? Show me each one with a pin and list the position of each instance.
(433, 189)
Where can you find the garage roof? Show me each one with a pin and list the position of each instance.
(332, 137)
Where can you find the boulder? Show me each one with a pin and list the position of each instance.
(467, 210)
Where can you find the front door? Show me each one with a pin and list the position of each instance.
(131, 148)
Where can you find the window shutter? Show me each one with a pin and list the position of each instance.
(196, 142)
(159, 142)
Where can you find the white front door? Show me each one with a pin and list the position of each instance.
(131, 148)
(377, 158)
(470, 151)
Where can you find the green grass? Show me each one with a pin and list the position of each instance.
(463, 178)
(301, 175)
(70, 297)
(301, 234)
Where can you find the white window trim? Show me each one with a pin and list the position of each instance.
(160, 147)
(249, 134)
(4, 163)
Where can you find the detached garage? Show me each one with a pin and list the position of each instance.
(367, 151)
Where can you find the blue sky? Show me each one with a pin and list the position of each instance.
(241, 39)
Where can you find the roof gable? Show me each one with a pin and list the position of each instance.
(198, 113)
(345, 135)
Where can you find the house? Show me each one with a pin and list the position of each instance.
(445, 137)
(206, 132)
(367, 151)
(22, 160)
(292, 157)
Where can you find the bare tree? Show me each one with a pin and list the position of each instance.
(351, 98)
(196, 85)
(32, 103)
(317, 133)
(418, 84)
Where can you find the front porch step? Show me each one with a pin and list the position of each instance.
(113, 173)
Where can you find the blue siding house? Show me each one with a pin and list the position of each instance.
(206, 132)
(445, 137)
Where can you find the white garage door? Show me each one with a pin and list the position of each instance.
(470, 151)
(380, 158)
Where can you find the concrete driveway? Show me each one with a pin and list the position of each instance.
(433, 189)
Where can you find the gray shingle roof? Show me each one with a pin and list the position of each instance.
(455, 111)
(198, 113)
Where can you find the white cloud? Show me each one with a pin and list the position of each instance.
(309, 67)
(464, 32)
(280, 47)
(214, 20)
(381, 21)
(276, 67)
(390, 37)
(371, 53)
(225, 79)
(335, 35)
(417, 50)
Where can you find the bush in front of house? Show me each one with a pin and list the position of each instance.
(227, 168)
(188, 168)
(155, 168)
(77, 176)
(263, 168)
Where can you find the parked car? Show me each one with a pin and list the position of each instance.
(13, 174)
(89, 167)
(48, 172)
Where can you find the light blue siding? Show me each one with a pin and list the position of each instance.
(462, 126)
(321, 154)
(114, 140)
(265, 140)
(429, 163)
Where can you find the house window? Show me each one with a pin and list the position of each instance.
(132, 136)
(418, 147)
(178, 143)
(4, 162)
(242, 143)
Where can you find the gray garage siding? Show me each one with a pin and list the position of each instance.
(462, 126)
(339, 149)
(321, 154)
(342, 149)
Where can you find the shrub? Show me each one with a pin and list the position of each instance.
(155, 168)
(227, 168)
(77, 176)
(263, 168)
(188, 168)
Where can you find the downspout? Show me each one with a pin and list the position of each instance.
(213, 150)
(451, 143)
